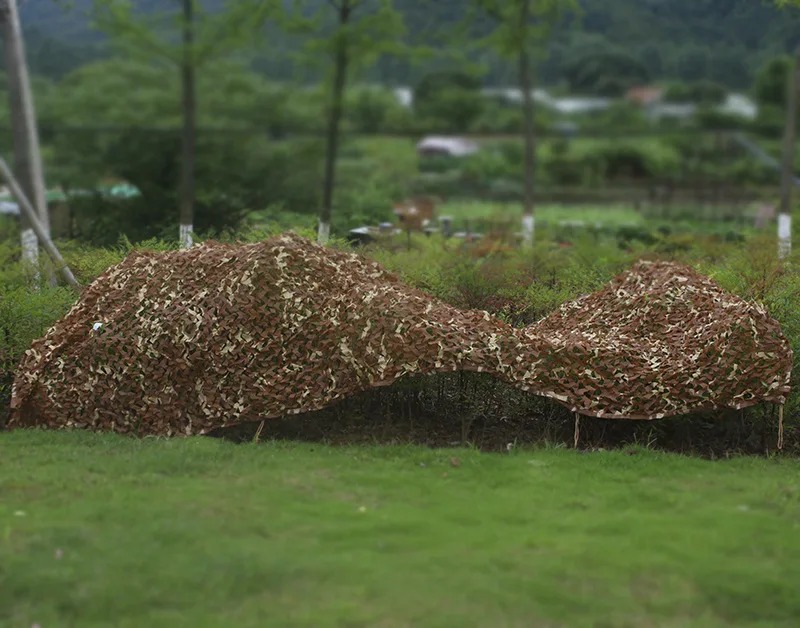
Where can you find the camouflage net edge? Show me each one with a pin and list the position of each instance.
(185, 342)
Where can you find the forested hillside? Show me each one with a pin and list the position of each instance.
(721, 40)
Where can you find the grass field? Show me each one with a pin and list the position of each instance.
(105, 531)
(550, 214)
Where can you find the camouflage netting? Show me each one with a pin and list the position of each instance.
(194, 340)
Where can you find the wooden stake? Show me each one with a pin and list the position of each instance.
(258, 433)
(38, 227)
(780, 427)
(577, 429)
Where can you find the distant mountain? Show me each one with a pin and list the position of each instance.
(724, 40)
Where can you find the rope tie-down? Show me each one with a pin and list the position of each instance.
(186, 342)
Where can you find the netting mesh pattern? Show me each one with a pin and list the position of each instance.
(184, 342)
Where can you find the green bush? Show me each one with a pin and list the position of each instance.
(451, 110)
(234, 175)
(370, 110)
(711, 118)
(505, 190)
(604, 161)
(562, 169)
(489, 165)
(770, 121)
(438, 164)
(434, 83)
(708, 93)
(513, 152)
(496, 119)
(702, 92)
(751, 171)
(645, 159)
(25, 316)
(365, 196)
(620, 116)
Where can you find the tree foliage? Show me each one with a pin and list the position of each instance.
(510, 34)
(237, 172)
(736, 37)
(154, 35)
(604, 70)
(770, 84)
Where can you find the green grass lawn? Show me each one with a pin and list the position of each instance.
(106, 531)
(552, 214)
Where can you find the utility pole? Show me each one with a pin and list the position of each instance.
(25, 135)
(787, 165)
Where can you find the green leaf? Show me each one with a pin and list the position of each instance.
(158, 37)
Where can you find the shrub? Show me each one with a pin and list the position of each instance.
(445, 185)
(438, 164)
(748, 170)
(619, 116)
(496, 119)
(599, 162)
(564, 170)
(505, 190)
(25, 316)
(453, 109)
(770, 121)
(753, 271)
(489, 165)
(365, 197)
(370, 110)
(235, 174)
(711, 118)
(434, 83)
(702, 92)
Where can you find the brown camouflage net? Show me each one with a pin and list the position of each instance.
(194, 340)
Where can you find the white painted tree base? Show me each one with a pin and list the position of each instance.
(323, 232)
(186, 239)
(784, 235)
(528, 228)
(30, 247)
(30, 256)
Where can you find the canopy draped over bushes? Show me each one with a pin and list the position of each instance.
(184, 342)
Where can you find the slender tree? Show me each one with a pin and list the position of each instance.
(203, 38)
(28, 166)
(189, 131)
(787, 165)
(519, 28)
(789, 141)
(358, 33)
(344, 13)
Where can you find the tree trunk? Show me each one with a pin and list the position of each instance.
(526, 86)
(39, 232)
(334, 120)
(25, 137)
(529, 163)
(188, 136)
(787, 167)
